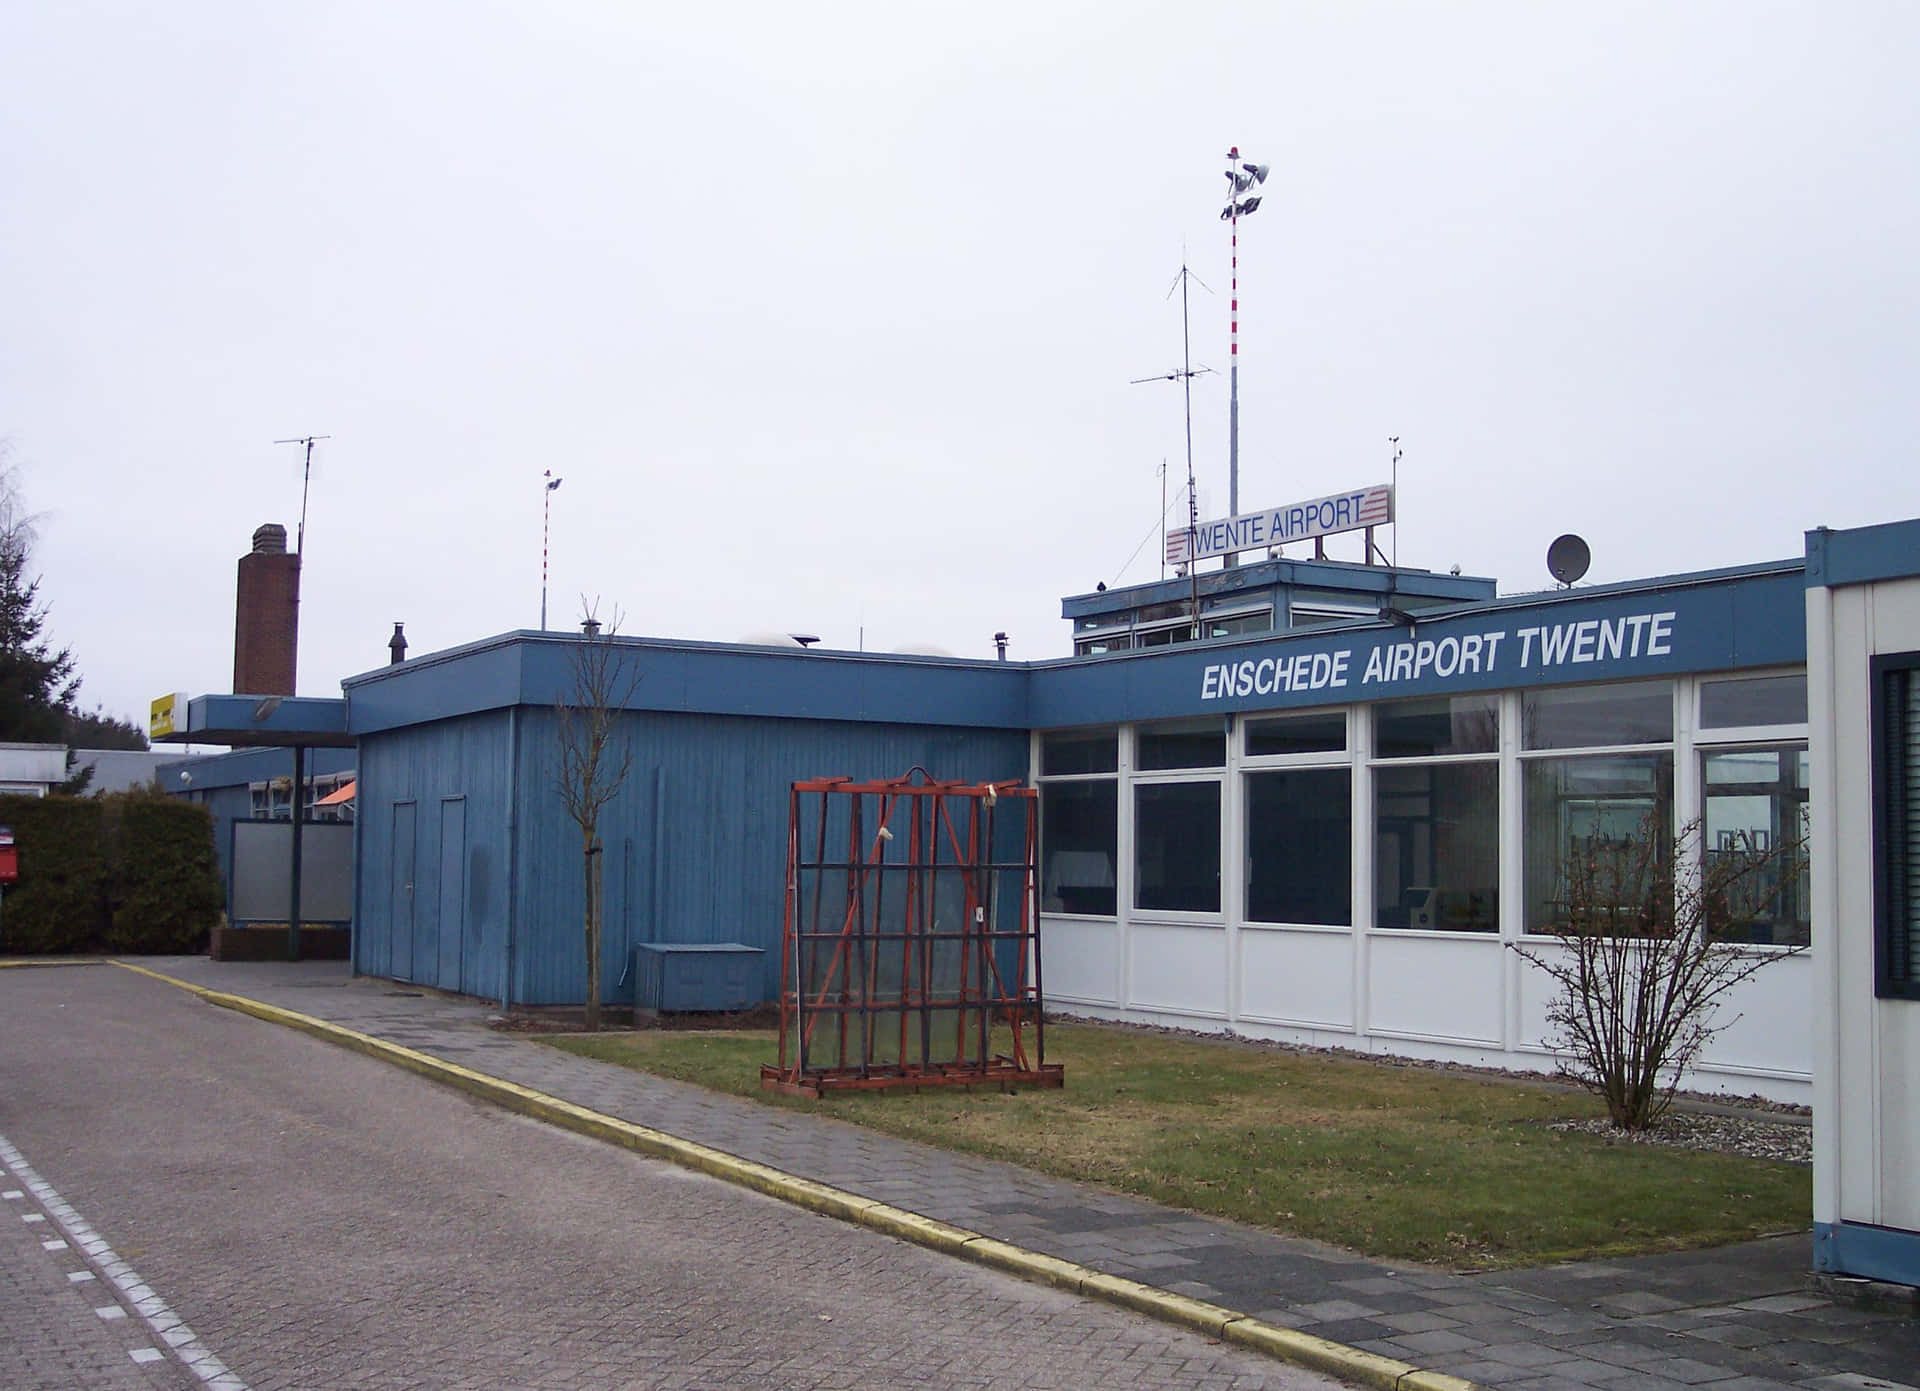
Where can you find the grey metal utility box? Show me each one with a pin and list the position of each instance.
(677, 976)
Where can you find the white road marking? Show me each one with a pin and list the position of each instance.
(33, 1217)
(78, 1276)
(53, 1246)
(167, 1325)
(13, 1195)
(112, 1311)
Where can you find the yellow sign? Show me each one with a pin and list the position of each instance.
(168, 716)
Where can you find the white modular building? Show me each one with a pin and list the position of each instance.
(1863, 666)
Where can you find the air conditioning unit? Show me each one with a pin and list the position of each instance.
(687, 977)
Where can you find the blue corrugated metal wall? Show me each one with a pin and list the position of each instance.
(448, 784)
(695, 843)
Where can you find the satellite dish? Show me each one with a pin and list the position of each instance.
(1568, 558)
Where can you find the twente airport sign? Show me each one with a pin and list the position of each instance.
(1324, 516)
(1551, 639)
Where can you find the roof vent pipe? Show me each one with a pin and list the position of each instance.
(1000, 645)
(590, 626)
(270, 539)
(398, 647)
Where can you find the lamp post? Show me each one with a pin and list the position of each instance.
(1240, 179)
(546, 532)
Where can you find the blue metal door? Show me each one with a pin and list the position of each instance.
(451, 930)
(400, 900)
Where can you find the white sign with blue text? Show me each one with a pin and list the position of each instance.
(1275, 526)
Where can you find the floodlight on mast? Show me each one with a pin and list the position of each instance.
(546, 532)
(1240, 178)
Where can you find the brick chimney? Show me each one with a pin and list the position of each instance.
(266, 616)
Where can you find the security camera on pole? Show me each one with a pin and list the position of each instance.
(1241, 178)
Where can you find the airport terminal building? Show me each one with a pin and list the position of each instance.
(1302, 799)
(1305, 800)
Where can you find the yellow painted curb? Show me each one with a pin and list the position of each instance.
(16, 962)
(921, 1231)
(1434, 1381)
(1196, 1314)
(1286, 1344)
(1324, 1355)
(1028, 1265)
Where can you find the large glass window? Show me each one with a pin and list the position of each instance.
(1079, 846)
(1426, 728)
(1079, 821)
(1598, 827)
(1755, 700)
(1586, 717)
(1896, 832)
(1165, 636)
(1755, 842)
(1224, 625)
(1300, 846)
(1176, 838)
(1079, 753)
(1193, 744)
(1323, 731)
(1436, 845)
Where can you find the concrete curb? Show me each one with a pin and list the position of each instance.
(1286, 1344)
(14, 963)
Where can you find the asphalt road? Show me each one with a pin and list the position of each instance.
(317, 1219)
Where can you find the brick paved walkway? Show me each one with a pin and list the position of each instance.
(1738, 1318)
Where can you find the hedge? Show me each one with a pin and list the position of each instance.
(58, 904)
(166, 892)
(131, 872)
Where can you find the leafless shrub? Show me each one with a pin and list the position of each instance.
(595, 758)
(1645, 953)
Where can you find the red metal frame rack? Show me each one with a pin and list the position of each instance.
(912, 957)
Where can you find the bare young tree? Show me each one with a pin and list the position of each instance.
(1645, 953)
(595, 758)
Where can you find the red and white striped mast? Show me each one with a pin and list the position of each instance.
(1240, 178)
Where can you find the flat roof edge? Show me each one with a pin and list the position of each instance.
(1861, 555)
(251, 721)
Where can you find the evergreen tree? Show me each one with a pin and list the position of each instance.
(37, 684)
(102, 731)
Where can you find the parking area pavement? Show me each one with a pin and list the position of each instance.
(61, 1326)
(1739, 1318)
(263, 1211)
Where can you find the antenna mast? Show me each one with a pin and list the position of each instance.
(1163, 517)
(1394, 440)
(306, 477)
(1193, 544)
(1185, 375)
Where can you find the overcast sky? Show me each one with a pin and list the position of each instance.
(826, 313)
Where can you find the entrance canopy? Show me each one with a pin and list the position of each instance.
(243, 721)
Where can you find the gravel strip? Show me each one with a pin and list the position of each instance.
(1756, 1137)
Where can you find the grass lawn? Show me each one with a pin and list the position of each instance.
(1401, 1162)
